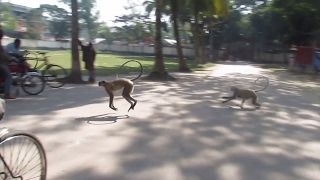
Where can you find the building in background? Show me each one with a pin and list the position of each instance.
(24, 27)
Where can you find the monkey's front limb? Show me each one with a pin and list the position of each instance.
(111, 101)
(228, 99)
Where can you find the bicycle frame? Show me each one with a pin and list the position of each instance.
(43, 58)
(45, 63)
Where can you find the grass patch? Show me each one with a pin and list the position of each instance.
(108, 64)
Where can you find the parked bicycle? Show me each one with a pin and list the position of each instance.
(53, 74)
(22, 155)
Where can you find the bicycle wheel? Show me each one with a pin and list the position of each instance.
(54, 75)
(32, 59)
(32, 81)
(22, 156)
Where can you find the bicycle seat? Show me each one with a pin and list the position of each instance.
(42, 53)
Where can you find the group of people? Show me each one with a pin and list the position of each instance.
(10, 54)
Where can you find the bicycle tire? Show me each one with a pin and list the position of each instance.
(28, 92)
(64, 72)
(12, 134)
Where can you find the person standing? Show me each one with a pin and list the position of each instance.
(88, 57)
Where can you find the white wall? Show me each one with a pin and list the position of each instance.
(171, 51)
(102, 47)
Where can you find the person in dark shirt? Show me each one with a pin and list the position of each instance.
(88, 57)
(4, 61)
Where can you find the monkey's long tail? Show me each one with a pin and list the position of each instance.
(266, 84)
(141, 69)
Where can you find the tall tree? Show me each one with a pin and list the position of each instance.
(8, 23)
(58, 20)
(303, 17)
(35, 24)
(136, 27)
(159, 72)
(87, 13)
(171, 7)
(104, 32)
(75, 74)
(174, 7)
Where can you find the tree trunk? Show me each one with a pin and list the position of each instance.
(159, 71)
(183, 67)
(198, 43)
(75, 74)
(195, 43)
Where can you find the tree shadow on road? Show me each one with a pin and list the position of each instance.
(184, 132)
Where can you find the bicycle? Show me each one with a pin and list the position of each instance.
(31, 83)
(50, 72)
(16, 166)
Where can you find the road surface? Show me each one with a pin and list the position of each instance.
(178, 130)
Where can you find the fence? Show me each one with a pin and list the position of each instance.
(139, 50)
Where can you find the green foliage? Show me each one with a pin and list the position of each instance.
(58, 20)
(35, 24)
(137, 27)
(283, 21)
(8, 23)
(104, 32)
(88, 15)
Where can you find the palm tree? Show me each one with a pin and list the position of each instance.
(174, 7)
(174, 10)
(203, 12)
(159, 71)
(75, 74)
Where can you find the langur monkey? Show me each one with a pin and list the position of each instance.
(117, 85)
(246, 94)
(122, 83)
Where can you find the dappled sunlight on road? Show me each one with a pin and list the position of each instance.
(231, 69)
(178, 130)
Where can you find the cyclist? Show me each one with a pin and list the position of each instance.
(4, 60)
(13, 49)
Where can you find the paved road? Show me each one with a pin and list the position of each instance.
(178, 130)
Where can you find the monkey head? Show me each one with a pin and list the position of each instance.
(104, 83)
(233, 88)
(101, 83)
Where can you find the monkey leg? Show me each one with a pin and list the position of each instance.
(254, 102)
(228, 99)
(126, 94)
(111, 101)
(241, 106)
(134, 102)
(126, 98)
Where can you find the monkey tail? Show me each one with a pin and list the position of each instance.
(141, 69)
(266, 84)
